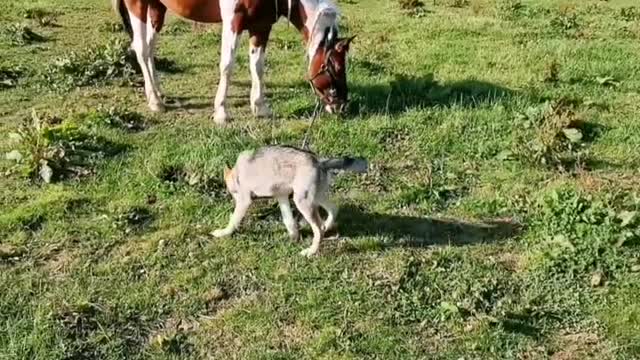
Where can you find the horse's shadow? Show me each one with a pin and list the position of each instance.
(402, 94)
(163, 65)
(418, 232)
(405, 93)
(187, 103)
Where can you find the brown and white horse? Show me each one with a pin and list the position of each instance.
(316, 20)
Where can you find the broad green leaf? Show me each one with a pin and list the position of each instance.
(627, 217)
(574, 135)
(13, 155)
(607, 81)
(37, 123)
(45, 172)
(449, 307)
(504, 155)
(597, 279)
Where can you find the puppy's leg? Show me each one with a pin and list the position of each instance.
(287, 218)
(302, 222)
(332, 212)
(305, 205)
(316, 215)
(242, 204)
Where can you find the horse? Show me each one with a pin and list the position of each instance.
(316, 20)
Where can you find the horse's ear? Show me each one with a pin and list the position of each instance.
(343, 44)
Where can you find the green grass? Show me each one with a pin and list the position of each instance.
(481, 232)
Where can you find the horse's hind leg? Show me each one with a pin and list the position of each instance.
(257, 53)
(138, 13)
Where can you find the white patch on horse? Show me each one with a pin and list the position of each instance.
(256, 63)
(321, 14)
(151, 40)
(227, 59)
(142, 50)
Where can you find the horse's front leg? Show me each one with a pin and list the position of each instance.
(140, 26)
(257, 53)
(156, 16)
(227, 57)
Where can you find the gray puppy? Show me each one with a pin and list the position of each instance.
(279, 171)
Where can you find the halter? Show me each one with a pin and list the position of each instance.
(327, 68)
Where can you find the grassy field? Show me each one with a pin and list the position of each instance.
(499, 219)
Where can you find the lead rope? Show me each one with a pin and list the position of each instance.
(289, 4)
(316, 112)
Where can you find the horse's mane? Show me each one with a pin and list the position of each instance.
(324, 13)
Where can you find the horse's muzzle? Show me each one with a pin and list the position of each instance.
(336, 108)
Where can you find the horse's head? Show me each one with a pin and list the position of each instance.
(328, 71)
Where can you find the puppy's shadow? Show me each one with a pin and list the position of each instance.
(417, 232)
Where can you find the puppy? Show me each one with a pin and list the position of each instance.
(279, 171)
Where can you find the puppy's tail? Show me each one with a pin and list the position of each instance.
(358, 165)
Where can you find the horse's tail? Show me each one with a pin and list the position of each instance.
(121, 9)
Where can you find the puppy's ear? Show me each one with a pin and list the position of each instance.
(228, 173)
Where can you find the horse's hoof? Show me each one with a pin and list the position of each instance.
(220, 116)
(261, 111)
(309, 252)
(157, 107)
(220, 233)
(295, 237)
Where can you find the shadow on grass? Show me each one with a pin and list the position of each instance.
(188, 103)
(398, 96)
(163, 65)
(530, 323)
(82, 153)
(592, 164)
(406, 93)
(410, 231)
(192, 103)
(520, 326)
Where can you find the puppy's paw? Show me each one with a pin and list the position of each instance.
(221, 233)
(309, 252)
